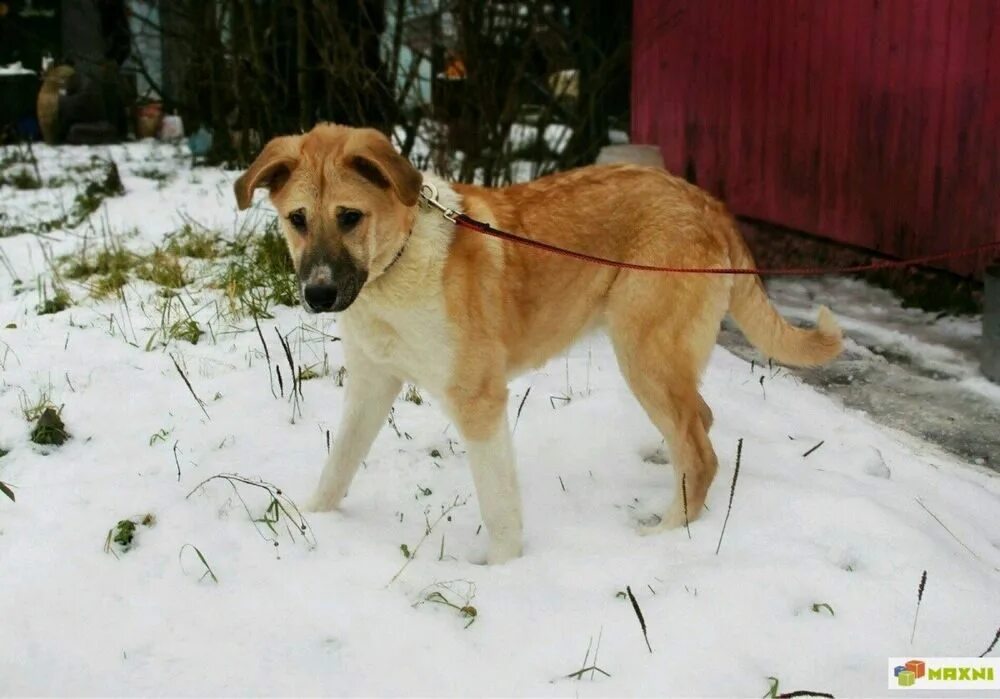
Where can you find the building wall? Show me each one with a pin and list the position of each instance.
(872, 122)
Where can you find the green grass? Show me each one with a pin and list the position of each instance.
(90, 199)
(151, 173)
(176, 322)
(59, 301)
(163, 269)
(112, 259)
(310, 372)
(208, 573)
(31, 411)
(457, 594)
(281, 516)
(13, 156)
(159, 436)
(109, 285)
(200, 244)
(111, 266)
(412, 395)
(110, 269)
(22, 179)
(818, 606)
(187, 330)
(107, 271)
(124, 533)
(49, 429)
(260, 275)
(104, 183)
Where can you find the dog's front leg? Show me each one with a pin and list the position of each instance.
(369, 396)
(482, 419)
(495, 476)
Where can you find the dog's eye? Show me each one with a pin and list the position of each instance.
(298, 219)
(348, 218)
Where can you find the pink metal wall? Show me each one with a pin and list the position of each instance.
(871, 122)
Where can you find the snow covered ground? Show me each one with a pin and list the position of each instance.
(916, 371)
(815, 583)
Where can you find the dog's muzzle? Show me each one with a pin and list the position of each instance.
(332, 291)
(320, 297)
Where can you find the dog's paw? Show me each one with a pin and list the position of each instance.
(319, 503)
(500, 556)
(672, 520)
(503, 550)
(651, 529)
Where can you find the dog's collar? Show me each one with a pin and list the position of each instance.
(399, 254)
(428, 198)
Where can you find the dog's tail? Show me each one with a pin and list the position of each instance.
(767, 330)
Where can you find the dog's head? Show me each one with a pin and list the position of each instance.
(345, 202)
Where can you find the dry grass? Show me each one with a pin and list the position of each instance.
(163, 269)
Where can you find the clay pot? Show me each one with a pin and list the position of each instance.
(147, 119)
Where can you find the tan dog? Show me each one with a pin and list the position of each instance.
(459, 313)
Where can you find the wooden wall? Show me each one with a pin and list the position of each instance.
(871, 122)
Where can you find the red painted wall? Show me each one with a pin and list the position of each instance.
(871, 122)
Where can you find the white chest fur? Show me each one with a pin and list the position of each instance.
(413, 343)
(400, 321)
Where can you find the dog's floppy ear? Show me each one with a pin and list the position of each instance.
(270, 169)
(377, 161)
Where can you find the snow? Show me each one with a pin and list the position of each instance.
(947, 345)
(842, 527)
(15, 68)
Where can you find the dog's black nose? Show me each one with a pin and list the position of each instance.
(321, 297)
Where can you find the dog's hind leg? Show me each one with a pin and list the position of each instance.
(707, 418)
(369, 396)
(695, 463)
(661, 352)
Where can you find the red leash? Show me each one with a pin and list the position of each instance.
(429, 193)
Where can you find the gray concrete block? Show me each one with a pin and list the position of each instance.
(631, 153)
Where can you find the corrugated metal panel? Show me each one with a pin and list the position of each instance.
(871, 122)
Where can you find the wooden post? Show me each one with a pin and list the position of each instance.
(990, 358)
